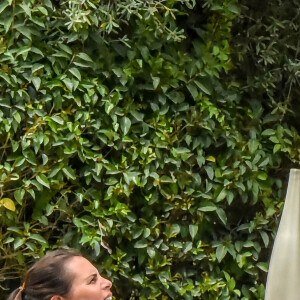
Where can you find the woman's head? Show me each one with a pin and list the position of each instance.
(63, 275)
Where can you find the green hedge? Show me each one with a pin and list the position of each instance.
(154, 136)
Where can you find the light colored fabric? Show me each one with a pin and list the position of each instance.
(283, 281)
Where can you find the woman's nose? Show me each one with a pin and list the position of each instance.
(106, 284)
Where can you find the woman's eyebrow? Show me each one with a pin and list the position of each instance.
(91, 275)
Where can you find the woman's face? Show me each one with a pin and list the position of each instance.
(87, 283)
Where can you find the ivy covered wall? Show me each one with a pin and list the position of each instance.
(154, 136)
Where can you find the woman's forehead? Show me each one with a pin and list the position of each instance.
(80, 267)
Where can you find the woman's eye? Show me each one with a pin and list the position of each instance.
(94, 279)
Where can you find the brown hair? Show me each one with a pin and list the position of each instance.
(46, 278)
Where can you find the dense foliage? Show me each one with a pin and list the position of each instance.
(155, 136)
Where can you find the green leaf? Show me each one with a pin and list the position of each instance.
(166, 179)
(265, 238)
(97, 248)
(19, 161)
(19, 242)
(221, 252)
(65, 48)
(82, 64)
(193, 90)
(23, 50)
(139, 116)
(26, 9)
(276, 148)
(43, 10)
(19, 195)
(58, 119)
(24, 30)
(210, 172)
(55, 170)
(138, 278)
(174, 229)
(36, 67)
(44, 158)
(234, 8)
(9, 240)
(222, 195)
(263, 266)
(17, 117)
(85, 57)
(75, 72)
(37, 51)
(151, 252)
(3, 5)
(7, 22)
(125, 125)
(156, 81)
(38, 237)
(176, 97)
(207, 206)
(6, 78)
(69, 84)
(69, 172)
(262, 176)
(268, 132)
(222, 215)
(42, 179)
(141, 244)
(181, 150)
(211, 158)
(36, 82)
(193, 229)
(203, 88)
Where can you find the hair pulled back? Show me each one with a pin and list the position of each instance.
(46, 278)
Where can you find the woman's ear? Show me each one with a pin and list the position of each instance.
(57, 298)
